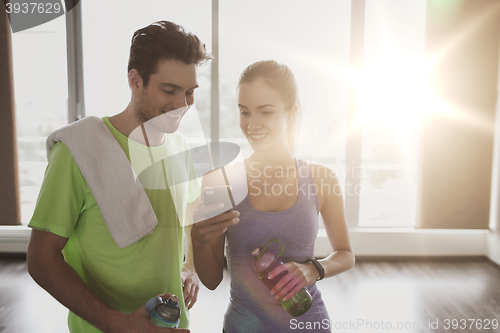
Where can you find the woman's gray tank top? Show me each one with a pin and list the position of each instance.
(252, 307)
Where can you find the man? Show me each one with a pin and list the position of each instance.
(105, 286)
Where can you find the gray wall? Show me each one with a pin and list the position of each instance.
(9, 185)
(456, 153)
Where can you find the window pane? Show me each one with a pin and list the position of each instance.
(41, 96)
(313, 39)
(107, 34)
(394, 79)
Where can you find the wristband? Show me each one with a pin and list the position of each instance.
(318, 266)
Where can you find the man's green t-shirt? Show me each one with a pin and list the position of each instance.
(125, 278)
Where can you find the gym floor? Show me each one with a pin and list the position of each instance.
(375, 296)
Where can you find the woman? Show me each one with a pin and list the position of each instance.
(282, 198)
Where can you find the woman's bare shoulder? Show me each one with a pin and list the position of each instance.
(322, 173)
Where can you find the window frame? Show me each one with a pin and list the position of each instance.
(76, 102)
(367, 241)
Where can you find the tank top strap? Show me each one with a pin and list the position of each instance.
(304, 174)
(307, 189)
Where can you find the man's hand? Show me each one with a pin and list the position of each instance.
(210, 228)
(139, 321)
(191, 285)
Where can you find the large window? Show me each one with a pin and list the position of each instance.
(393, 79)
(41, 97)
(313, 38)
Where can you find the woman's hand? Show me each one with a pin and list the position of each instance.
(298, 276)
(206, 229)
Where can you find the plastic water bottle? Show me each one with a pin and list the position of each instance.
(164, 313)
(264, 263)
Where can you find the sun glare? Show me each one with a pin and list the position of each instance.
(394, 92)
(396, 89)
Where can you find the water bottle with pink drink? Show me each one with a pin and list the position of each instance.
(264, 263)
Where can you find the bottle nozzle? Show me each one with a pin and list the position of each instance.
(256, 252)
(173, 300)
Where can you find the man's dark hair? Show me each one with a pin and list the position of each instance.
(164, 40)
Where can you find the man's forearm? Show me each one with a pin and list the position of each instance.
(64, 284)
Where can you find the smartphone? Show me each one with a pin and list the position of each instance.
(219, 194)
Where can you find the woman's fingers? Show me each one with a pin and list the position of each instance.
(275, 272)
(205, 210)
(295, 290)
(284, 285)
(207, 230)
(201, 219)
(220, 225)
(290, 283)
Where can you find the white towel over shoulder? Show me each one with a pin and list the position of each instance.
(124, 205)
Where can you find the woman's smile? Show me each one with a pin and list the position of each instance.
(257, 136)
